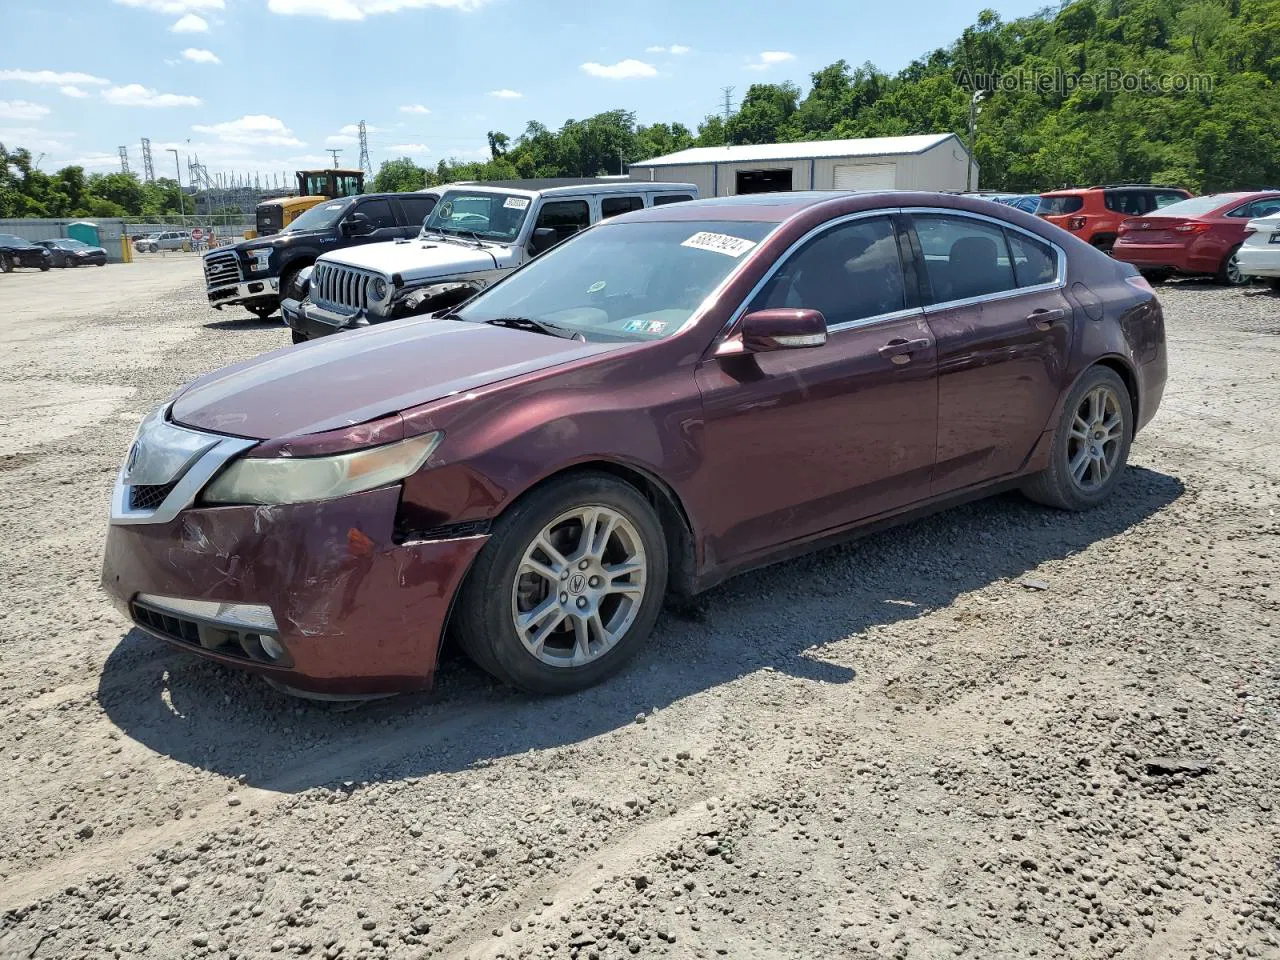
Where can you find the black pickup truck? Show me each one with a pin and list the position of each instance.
(256, 274)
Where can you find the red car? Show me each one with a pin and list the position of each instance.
(1196, 236)
(670, 397)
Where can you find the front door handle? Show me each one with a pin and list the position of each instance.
(1045, 319)
(899, 351)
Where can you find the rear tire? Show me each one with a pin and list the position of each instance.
(1229, 273)
(568, 587)
(1090, 446)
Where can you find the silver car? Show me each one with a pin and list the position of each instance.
(169, 240)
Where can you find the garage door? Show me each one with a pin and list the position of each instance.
(866, 176)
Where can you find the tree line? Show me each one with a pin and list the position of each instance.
(1215, 128)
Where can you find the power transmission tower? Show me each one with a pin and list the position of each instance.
(365, 165)
(728, 102)
(148, 172)
(335, 153)
(124, 159)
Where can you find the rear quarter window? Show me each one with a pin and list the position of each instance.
(1059, 206)
(665, 198)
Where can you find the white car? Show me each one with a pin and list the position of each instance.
(475, 235)
(1259, 255)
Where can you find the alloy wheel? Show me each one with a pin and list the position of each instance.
(579, 586)
(1097, 434)
(1234, 276)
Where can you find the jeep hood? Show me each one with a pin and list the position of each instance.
(418, 259)
(352, 378)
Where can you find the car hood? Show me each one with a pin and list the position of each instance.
(352, 378)
(418, 258)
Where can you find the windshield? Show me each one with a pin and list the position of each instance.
(320, 217)
(1197, 206)
(9, 240)
(622, 281)
(71, 244)
(489, 215)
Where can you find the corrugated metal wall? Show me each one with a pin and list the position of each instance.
(940, 168)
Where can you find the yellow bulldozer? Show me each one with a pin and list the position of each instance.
(314, 186)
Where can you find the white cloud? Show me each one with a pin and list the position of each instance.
(771, 58)
(175, 6)
(196, 55)
(622, 70)
(675, 49)
(35, 140)
(408, 148)
(414, 108)
(73, 91)
(350, 133)
(52, 77)
(22, 110)
(359, 9)
(190, 24)
(505, 94)
(136, 95)
(255, 129)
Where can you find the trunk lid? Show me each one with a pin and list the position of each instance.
(1154, 230)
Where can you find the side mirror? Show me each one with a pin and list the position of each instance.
(357, 225)
(782, 328)
(544, 238)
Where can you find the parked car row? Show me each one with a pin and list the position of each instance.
(43, 254)
(679, 393)
(1165, 231)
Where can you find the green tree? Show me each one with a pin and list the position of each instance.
(764, 113)
(399, 176)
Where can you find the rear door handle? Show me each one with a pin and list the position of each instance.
(1045, 319)
(899, 351)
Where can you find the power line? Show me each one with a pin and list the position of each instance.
(335, 151)
(365, 165)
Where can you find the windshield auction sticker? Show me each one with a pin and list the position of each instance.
(720, 243)
(516, 203)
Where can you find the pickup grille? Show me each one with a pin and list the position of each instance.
(221, 269)
(340, 289)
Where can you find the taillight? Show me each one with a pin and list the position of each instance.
(1075, 223)
(1122, 229)
(1192, 228)
(1140, 282)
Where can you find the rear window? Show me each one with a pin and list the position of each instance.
(1058, 206)
(666, 198)
(1198, 206)
(1132, 203)
(612, 206)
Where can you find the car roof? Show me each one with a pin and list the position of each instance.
(575, 186)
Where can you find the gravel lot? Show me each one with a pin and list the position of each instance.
(999, 732)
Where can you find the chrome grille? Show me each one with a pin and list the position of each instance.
(340, 289)
(221, 268)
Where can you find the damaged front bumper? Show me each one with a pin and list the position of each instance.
(318, 596)
(247, 291)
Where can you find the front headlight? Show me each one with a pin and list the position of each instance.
(302, 479)
(378, 288)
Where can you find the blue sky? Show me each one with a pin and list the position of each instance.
(268, 85)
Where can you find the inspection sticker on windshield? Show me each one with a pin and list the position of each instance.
(645, 326)
(516, 203)
(720, 243)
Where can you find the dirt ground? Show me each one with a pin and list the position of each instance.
(999, 732)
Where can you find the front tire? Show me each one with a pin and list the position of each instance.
(568, 587)
(6, 265)
(44, 267)
(1090, 446)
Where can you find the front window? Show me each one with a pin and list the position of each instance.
(484, 214)
(320, 217)
(623, 281)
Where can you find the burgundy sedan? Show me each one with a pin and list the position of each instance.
(1199, 236)
(671, 397)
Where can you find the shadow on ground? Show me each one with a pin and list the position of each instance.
(247, 322)
(233, 724)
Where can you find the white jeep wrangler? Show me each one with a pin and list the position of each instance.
(476, 233)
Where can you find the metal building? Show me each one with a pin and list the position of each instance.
(934, 161)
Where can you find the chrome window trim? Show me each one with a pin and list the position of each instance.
(1058, 284)
(787, 254)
